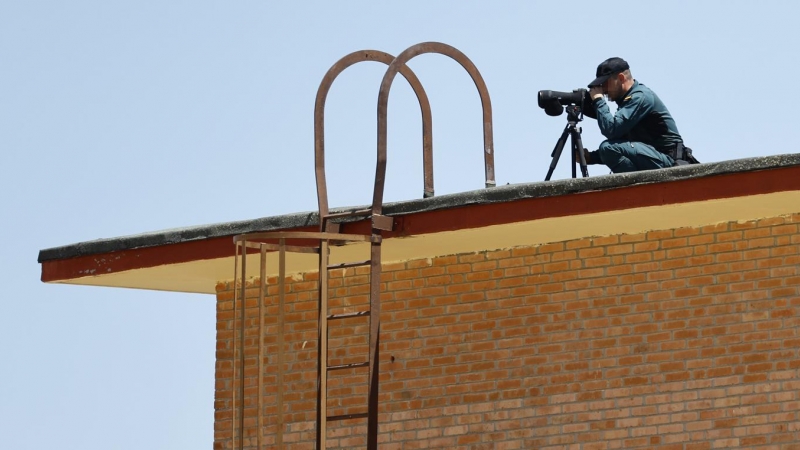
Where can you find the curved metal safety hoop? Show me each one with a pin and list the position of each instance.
(319, 120)
(383, 103)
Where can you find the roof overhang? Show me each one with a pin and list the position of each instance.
(196, 259)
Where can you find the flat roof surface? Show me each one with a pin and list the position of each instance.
(499, 194)
(196, 259)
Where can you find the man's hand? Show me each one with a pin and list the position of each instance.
(585, 156)
(596, 92)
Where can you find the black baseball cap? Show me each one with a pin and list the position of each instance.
(608, 68)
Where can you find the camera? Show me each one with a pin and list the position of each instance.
(553, 102)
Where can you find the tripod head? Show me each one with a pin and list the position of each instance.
(574, 113)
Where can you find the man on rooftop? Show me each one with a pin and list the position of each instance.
(642, 134)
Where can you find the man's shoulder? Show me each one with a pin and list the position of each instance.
(639, 92)
(639, 87)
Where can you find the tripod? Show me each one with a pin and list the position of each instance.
(574, 115)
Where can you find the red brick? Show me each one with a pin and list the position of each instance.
(668, 339)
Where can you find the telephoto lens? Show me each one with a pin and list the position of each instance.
(552, 101)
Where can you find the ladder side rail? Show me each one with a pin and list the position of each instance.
(233, 345)
(322, 347)
(262, 288)
(374, 344)
(281, 330)
(243, 299)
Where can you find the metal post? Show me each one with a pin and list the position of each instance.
(262, 287)
(374, 342)
(233, 349)
(281, 303)
(322, 348)
(241, 342)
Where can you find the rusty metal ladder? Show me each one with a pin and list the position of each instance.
(279, 242)
(379, 222)
(330, 234)
(329, 223)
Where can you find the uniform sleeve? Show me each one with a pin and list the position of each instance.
(618, 125)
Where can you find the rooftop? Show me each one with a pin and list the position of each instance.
(195, 259)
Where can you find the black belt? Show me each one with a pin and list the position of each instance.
(681, 154)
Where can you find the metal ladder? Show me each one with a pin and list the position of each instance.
(329, 235)
(379, 222)
(279, 242)
(331, 227)
(330, 223)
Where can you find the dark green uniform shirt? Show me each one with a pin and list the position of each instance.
(640, 117)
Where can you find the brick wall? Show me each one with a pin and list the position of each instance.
(684, 338)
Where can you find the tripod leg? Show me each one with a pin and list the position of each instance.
(574, 152)
(557, 152)
(577, 145)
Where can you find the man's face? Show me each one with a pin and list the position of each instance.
(613, 87)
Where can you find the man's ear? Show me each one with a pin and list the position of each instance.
(621, 77)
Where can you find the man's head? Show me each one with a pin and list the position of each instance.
(614, 76)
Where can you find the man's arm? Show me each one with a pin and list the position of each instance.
(618, 125)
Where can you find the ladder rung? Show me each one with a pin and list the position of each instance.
(350, 264)
(348, 315)
(349, 366)
(358, 212)
(348, 416)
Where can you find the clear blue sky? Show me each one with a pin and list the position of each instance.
(124, 117)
